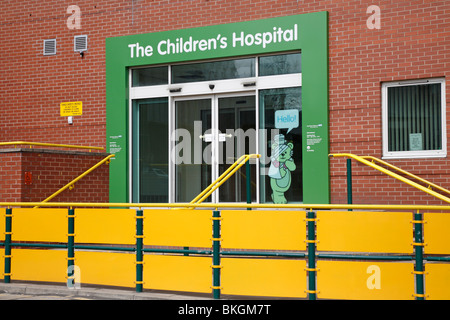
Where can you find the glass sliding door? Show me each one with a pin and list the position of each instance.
(237, 136)
(191, 153)
(150, 150)
(210, 134)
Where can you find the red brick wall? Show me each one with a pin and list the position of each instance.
(412, 43)
(51, 170)
(10, 177)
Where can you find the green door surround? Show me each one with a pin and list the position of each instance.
(305, 32)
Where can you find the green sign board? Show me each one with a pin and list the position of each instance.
(306, 32)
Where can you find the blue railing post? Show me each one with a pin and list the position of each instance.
(71, 249)
(418, 249)
(8, 233)
(311, 219)
(216, 254)
(139, 250)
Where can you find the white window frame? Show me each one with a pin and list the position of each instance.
(413, 154)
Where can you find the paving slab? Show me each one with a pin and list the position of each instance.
(31, 291)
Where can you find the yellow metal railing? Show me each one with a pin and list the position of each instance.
(306, 206)
(70, 185)
(316, 255)
(364, 160)
(430, 185)
(223, 177)
(30, 144)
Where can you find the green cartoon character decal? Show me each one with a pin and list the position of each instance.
(280, 168)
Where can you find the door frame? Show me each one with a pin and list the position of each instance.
(214, 98)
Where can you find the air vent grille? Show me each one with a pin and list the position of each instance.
(49, 47)
(80, 43)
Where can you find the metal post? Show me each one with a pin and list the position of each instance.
(71, 249)
(248, 183)
(349, 183)
(8, 233)
(418, 248)
(139, 250)
(216, 255)
(311, 256)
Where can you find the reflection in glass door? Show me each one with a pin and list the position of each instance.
(210, 134)
(191, 152)
(237, 137)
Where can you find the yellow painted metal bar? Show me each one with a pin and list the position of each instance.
(71, 183)
(218, 179)
(14, 143)
(227, 205)
(430, 184)
(224, 177)
(392, 174)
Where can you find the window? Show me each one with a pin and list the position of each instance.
(280, 118)
(152, 76)
(280, 64)
(414, 119)
(215, 70)
(150, 136)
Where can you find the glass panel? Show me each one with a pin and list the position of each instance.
(281, 145)
(192, 154)
(280, 64)
(414, 118)
(238, 136)
(217, 70)
(150, 150)
(150, 76)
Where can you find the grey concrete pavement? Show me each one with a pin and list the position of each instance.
(31, 291)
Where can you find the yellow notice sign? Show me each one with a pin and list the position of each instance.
(68, 109)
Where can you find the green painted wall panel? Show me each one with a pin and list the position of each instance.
(308, 32)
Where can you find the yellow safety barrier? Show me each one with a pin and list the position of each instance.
(264, 277)
(190, 228)
(264, 230)
(361, 231)
(273, 253)
(365, 280)
(106, 268)
(39, 265)
(177, 273)
(105, 226)
(2, 224)
(2, 265)
(47, 225)
(437, 279)
(437, 235)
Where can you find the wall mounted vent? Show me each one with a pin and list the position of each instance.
(49, 47)
(80, 43)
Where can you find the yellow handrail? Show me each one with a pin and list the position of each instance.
(71, 183)
(306, 206)
(392, 174)
(15, 143)
(430, 184)
(223, 177)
